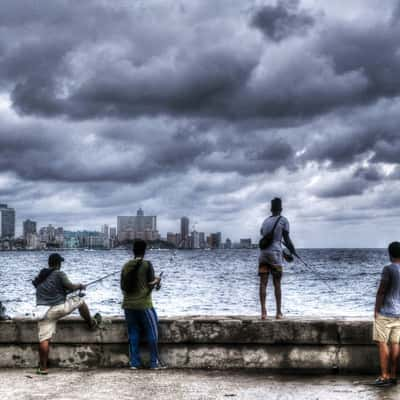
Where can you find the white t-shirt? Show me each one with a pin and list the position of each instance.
(273, 253)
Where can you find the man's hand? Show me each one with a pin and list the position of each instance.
(82, 286)
(156, 282)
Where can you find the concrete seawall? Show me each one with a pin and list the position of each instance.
(204, 342)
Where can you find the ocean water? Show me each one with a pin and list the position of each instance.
(337, 283)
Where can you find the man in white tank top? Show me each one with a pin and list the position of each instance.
(271, 259)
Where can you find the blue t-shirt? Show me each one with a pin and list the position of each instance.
(391, 302)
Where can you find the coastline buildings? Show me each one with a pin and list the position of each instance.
(137, 227)
(128, 228)
(7, 222)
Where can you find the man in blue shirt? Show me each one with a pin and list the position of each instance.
(387, 318)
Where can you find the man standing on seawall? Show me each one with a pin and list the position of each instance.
(387, 318)
(137, 283)
(271, 258)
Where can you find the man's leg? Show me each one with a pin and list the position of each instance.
(44, 348)
(263, 293)
(85, 314)
(277, 277)
(394, 359)
(384, 356)
(131, 319)
(150, 324)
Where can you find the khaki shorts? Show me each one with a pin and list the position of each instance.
(386, 329)
(264, 268)
(47, 326)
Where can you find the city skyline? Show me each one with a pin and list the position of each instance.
(279, 98)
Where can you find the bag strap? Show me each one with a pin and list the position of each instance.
(276, 223)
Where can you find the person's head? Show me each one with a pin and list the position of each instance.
(55, 261)
(139, 248)
(394, 251)
(276, 205)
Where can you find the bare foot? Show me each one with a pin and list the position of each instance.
(264, 315)
(279, 316)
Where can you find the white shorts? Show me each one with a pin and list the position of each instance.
(48, 325)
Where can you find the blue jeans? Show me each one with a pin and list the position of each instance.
(146, 321)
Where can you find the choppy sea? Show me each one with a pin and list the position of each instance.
(337, 282)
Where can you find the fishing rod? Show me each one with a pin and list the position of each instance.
(312, 268)
(102, 278)
(315, 272)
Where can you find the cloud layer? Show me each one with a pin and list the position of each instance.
(206, 109)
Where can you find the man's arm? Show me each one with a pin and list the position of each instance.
(288, 242)
(152, 280)
(380, 296)
(68, 285)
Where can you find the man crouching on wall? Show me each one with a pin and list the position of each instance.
(52, 287)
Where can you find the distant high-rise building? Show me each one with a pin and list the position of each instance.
(184, 232)
(113, 233)
(202, 240)
(137, 227)
(214, 240)
(105, 230)
(29, 227)
(7, 221)
(195, 240)
(48, 234)
(245, 243)
(228, 243)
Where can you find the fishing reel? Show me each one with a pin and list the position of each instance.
(287, 255)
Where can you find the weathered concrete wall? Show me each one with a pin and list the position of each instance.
(204, 342)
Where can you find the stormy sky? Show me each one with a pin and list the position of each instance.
(207, 109)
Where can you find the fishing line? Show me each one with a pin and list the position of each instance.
(315, 272)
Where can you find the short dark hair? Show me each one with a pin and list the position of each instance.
(276, 204)
(394, 250)
(55, 260)
(139, 247)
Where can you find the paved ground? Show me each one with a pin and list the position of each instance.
(184, 384)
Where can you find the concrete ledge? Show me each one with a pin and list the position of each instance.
(204, 342)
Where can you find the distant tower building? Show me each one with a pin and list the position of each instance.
(59, 236)
(105, 230)
(214, 240)
(7, 221)
(202, 240)
(29, 227)
(138, 227)
(195, 240)
(228, 243)
(171, 238)
(113, 233)
(245, 243)
(185, 232)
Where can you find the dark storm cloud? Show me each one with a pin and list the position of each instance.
(282, 20)
(81, 63)
(382, 144)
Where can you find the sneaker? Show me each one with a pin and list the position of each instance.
(96, 321)
(158, 366)
(381, 382)
(40, 371)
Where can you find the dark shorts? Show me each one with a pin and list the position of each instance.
(275, 270)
